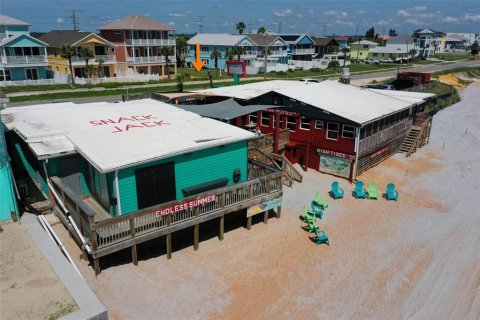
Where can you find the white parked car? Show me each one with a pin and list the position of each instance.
(388, 60)
(371, 61)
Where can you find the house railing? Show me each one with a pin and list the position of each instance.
(25, 59)
(369, 143)
(303, 51)
(265, 141)
(104, 57)
(150, 59)
(150, 42)
(117, 233)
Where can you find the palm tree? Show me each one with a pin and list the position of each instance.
(100, 62)
(167, 52)
(240, 27)
(412, 53)
(86, 53)
(68, 52)
(215, 55)
(229, 54)
(238, 51)
(345, 51)
(261, 30)
(182, 47)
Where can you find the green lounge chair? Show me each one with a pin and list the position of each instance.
(391, 193)
(359, 192)
(372, 191)
(308, 216)
(323, 203)
(337, 192)
(311, 225)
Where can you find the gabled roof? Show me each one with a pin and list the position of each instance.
(9, 21)
(393, 48)
(366, 42)
(294, 38)
(218, 39)
(259, 39)
(8, 40)
(402, 39)
(137, 23)
(341, 38)
(323, 42)
(57, 38)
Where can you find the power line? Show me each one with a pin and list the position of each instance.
(74, 19)
(200, 23)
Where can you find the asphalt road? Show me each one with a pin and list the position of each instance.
(368, 76)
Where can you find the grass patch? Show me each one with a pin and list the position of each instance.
(446, 95)
(62, 310)
(452, 56)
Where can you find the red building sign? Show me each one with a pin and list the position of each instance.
(335, 154)
(184, 206)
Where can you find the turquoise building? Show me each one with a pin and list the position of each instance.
(22, 57)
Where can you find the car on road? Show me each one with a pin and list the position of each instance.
(371, 61)
(382, 86)
(388, 60)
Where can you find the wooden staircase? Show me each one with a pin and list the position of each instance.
(417, 137)
(290, 174)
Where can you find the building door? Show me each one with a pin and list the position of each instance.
(155, 185)
(31, 74)
(69, 173)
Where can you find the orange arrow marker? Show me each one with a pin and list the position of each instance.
(198, 64)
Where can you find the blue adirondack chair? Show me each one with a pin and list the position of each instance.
(317, 209)
(359, 192)
(336, 192)
(391, 193)
(321, 237)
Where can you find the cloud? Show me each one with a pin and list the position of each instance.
(345, 23)
(283, 13)
(336, 14)
(60, 20)
(361, 11)
(413, 21)
(403, 13)
(420, 8)
(311, 11)
(226, 24)
(187, 25)
(299, 15)
(177, 14)
(472, 17)
(450, 19)
(383, 22)
(171, 23)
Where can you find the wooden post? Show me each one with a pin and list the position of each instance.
(169, 238)
(134, 247)
(221, 227)
(276, 136)
(279, 212)
(265, 216)
(93, 241)
(80, 220)
(196, 230)
(249, 223)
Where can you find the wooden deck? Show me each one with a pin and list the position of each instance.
(116, 233)
(100, 213)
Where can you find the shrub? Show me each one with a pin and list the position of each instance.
(333, 64)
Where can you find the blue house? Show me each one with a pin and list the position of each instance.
(22, 57)
(300, 46)
(224, 43)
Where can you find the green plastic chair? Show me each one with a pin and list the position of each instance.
(311, 225)
(372, 191)
(322, 202)
(308, 216)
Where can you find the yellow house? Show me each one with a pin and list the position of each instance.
(104, 61)
(359, 50)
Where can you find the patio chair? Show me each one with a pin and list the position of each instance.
(359, 192)
(311, 225)
(337, 192)
(372, 191)
(308, 216)
(317, 209)
(321, 237)
(323, 203)
(391, 193)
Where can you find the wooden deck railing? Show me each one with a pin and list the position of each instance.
(111, 235)
(369, 143)
(265, 141)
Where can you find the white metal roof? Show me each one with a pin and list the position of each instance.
(347, 101)
(365, 42)
(114, 136)
(407, 96)
(217, 39)
(9, 21)
(393, 48)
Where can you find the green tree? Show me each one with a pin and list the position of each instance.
(392, 33)
(240, 27)
(215, 55)
(86, 53)
(474, 49)
(345, 51)
(261, 30)
(238, 51)
(100, 62)
(166, 52)
(370, 34)
(68, 52)
(229, 54)
(180, 79)
(182, 48)
(412, 53)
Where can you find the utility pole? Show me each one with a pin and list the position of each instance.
(280, 27)
(74, 19)
(358, 44)
(324, 28)
(200, 23)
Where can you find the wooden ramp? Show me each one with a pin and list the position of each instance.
(417, 137)
(290, 174)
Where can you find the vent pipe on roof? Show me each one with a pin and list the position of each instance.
(345, 77)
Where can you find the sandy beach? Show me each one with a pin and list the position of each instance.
(418, 258)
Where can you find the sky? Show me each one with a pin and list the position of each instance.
(315, 17)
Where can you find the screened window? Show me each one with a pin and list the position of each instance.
(253, 117)
(31, 74)
(375, 127)
(291, 123)
(348, 131)
(5, 75)
(204, 49)
(265, 119)
(305, 123)
(332, 131)
(318, 124)
(362, 133)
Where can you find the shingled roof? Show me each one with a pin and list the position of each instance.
(323, 42)
(57, 38)
(137, 23)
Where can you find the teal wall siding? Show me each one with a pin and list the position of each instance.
(190, 169)
(8, 202)
(18, 29)
(82, 164)
(25, 41)
(19, 74)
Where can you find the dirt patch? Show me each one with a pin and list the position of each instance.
(30, 289)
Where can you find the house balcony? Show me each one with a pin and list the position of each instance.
(381, 137)
(105, 57)
(304, 51)
(151, 59)
(24, 59)
(107, 235)
(150, 42)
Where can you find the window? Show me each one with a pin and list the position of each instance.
(291, 123)
(265, 119)
(365, 46)
(117, 32)
(305, 123)
(253, 117)
(207, 61)
(31, 74)
(348, 131)
(375, 127)
(5, 75)
(319, 124)
(204, 49)
(362, 133)
(332, 131)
